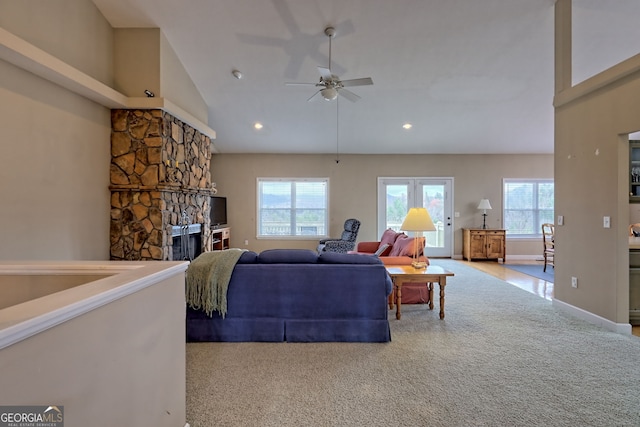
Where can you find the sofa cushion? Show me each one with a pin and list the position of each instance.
(405, 246)
(288, 256)
(412, 248)
(399, 245)
(389, 237)
(338, 258)
(248, 257)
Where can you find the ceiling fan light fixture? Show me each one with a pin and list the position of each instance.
(329, 93)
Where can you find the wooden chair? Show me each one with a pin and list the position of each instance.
(549, 245)
(634, 227)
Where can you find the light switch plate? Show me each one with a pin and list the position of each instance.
(606, 222)
(560, 219)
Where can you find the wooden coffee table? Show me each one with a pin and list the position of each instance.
(401, 274)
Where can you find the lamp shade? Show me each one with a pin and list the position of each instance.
(484, 204)
(418, 219)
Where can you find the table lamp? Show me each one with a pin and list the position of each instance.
(484, 205)
(418, 220)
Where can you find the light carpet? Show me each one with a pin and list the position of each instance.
(535, 270)
(501, 357)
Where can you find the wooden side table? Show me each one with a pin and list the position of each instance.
(401, 274)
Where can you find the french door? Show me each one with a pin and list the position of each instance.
(397, 195)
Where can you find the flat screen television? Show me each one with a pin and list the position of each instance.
(218, 211)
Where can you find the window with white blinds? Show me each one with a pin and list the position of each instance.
(293, 208)
(528, 203)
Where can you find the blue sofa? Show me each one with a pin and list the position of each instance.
(297, 295)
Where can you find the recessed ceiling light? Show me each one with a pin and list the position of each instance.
(407, 126)
(258, 126)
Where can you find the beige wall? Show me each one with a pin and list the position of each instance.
(73, 31)
(122, 364)
(177, 86)
(592, 123)
(144, 59)
(353, 188)
(137, 61)
(54, 181)
(55, 177)
(592, 175)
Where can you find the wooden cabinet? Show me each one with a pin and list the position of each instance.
(478, 243)
(220, 238)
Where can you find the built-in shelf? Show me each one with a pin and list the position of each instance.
(24, 55)
(220, 238)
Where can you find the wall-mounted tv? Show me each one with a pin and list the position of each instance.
(218, 211)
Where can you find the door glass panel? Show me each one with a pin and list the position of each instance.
(433, 200)
(397, 205)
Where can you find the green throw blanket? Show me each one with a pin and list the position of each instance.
(207, 280)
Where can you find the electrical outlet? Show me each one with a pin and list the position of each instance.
(246, 242)
(574, 282)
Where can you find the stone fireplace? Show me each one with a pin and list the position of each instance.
(160, 185)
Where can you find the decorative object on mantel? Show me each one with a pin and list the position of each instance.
(418, 220)
(484, 205)
(214, 190)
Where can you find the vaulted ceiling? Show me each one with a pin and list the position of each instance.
(471, 76)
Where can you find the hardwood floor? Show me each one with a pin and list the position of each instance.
(536, 286)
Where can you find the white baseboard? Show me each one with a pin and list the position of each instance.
(621, 328)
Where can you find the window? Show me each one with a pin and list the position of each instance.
(291, 208)
(528, 203)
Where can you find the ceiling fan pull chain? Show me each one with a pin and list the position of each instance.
(337, 130)
(330, 52)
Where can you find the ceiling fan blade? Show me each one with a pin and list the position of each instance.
(313, 96)
(325, 73)
(349, 95)
(300, 84)
(358, 82)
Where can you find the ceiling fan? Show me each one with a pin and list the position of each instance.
(330, 85)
